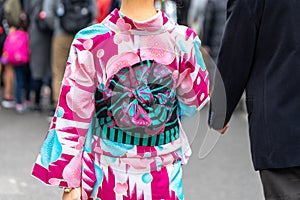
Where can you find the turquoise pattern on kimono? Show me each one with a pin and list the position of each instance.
(51, 149)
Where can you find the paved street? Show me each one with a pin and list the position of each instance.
(225, 174)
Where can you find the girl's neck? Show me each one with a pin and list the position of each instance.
(138, 10)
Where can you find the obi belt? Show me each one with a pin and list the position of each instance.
(138, 106)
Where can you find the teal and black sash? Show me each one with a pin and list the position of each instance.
(138, 106)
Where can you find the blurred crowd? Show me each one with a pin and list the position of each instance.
(35, 28)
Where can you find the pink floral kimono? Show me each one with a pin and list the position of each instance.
(116, 132)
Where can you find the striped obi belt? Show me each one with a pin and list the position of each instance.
(138, 106)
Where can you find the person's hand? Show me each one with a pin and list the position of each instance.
(223, 130)
(74, 194)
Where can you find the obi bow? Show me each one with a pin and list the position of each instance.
(137, 98)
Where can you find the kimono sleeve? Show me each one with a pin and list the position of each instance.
(193, 83)
(60, 160)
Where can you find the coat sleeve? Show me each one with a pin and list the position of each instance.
(60, 160)
(234, 62)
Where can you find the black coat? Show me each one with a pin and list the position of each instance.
(260, 52)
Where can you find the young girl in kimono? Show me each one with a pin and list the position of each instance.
(116, 133)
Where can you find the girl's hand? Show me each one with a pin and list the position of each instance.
(74, 194)
(222, 131)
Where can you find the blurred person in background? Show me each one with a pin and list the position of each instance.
(12, 10)
(115, 4)
(169, 7)
(213, 26)
(260, 53)
(3, 33)
(40, 58)
(196, 15)
(55, 11)
(16, 52)
(183, 7)
(103, 7)
(117, 133)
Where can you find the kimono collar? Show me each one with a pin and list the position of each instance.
(117, 20)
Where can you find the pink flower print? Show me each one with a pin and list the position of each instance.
(158, 49)
(124, 34)
(121, 188)
(68, 73)
(100, 73)
(120, 37)
(100, 53)
(98, 150)
(88, 44)
(185, 82)
(138, 163)
(175, 76)
(122, 25)
(72, 172)
(118, 62)
(55, 181)
(168, 159)
(84, 73)
(80, 144)
(80, 102)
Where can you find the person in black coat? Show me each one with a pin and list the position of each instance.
(260, 52)
(213, 26)
(183, 7)
(115, 4)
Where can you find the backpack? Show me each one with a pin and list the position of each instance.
(40, 19)
(74, 15)
(16, 48)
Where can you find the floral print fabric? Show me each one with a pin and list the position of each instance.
(72, 155)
